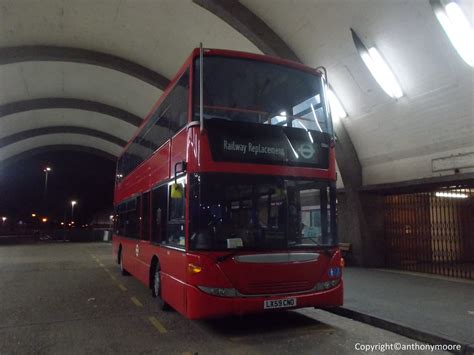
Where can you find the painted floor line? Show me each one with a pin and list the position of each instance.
(157, 324)
(122, 287)
(136, 301)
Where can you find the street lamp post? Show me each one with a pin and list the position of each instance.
(46, 171)
(3, 223)
(73, 203)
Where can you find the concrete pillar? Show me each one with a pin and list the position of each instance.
(360, 222)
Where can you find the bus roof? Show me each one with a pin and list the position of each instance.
(216, 52)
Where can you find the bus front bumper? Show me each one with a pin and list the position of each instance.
(203, 305)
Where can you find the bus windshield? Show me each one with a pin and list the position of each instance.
(260, 212)
(254, 91)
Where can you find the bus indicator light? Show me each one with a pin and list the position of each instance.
(194, 269)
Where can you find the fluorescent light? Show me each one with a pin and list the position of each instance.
(378, 68)
(388, 81)
(381, 72)
(457, 28)
(337, 110)
(451, 195)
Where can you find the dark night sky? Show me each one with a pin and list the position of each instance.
(87, 178)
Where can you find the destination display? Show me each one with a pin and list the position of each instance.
(267, 144)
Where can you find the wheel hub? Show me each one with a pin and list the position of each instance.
(156, 283)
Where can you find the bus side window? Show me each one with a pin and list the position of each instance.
(132, 229)
(178, 112)
(159, 204)
(176, 231)
(145, 230)
(118, 219)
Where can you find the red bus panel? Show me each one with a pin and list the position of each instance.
(202, 244)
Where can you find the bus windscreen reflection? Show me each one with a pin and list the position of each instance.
(255, 212)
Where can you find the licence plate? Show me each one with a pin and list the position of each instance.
(281, 303)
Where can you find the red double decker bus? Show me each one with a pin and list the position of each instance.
(225, 199)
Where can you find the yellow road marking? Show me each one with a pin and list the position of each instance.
(122, 287)
(156, 323)
(303, 331)
(113, 277)
(106, 270)
(187, 353)
(101, 265)
(136, 301)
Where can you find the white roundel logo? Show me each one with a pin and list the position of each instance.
(306, 150)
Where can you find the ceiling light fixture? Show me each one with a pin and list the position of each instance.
(457, 28)
(451, 195)
(378, 68)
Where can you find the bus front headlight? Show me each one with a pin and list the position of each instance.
(326, 285)
(221, 292)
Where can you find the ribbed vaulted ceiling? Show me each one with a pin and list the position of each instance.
(131, 47)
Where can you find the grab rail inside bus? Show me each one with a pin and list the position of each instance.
(201, 87)
(324, 74)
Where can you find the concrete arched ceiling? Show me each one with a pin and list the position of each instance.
(11, 150)
(63, 148)
(33, 119)
(69, 50)
(394, 140)
(33, 80)
(43, 131)
(12, 108)
(40, 53)
(158, 34)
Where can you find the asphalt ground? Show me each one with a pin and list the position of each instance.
(69, 298)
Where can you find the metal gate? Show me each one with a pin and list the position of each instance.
(431, 232)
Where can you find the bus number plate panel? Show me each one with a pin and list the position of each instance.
(280, 303)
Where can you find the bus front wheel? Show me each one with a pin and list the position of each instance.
(122, 267)
(157, 289)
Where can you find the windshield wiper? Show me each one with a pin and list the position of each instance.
(228, 255)
(324, 248)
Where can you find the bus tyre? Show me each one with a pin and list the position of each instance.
(156, 290)
(122, 268)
